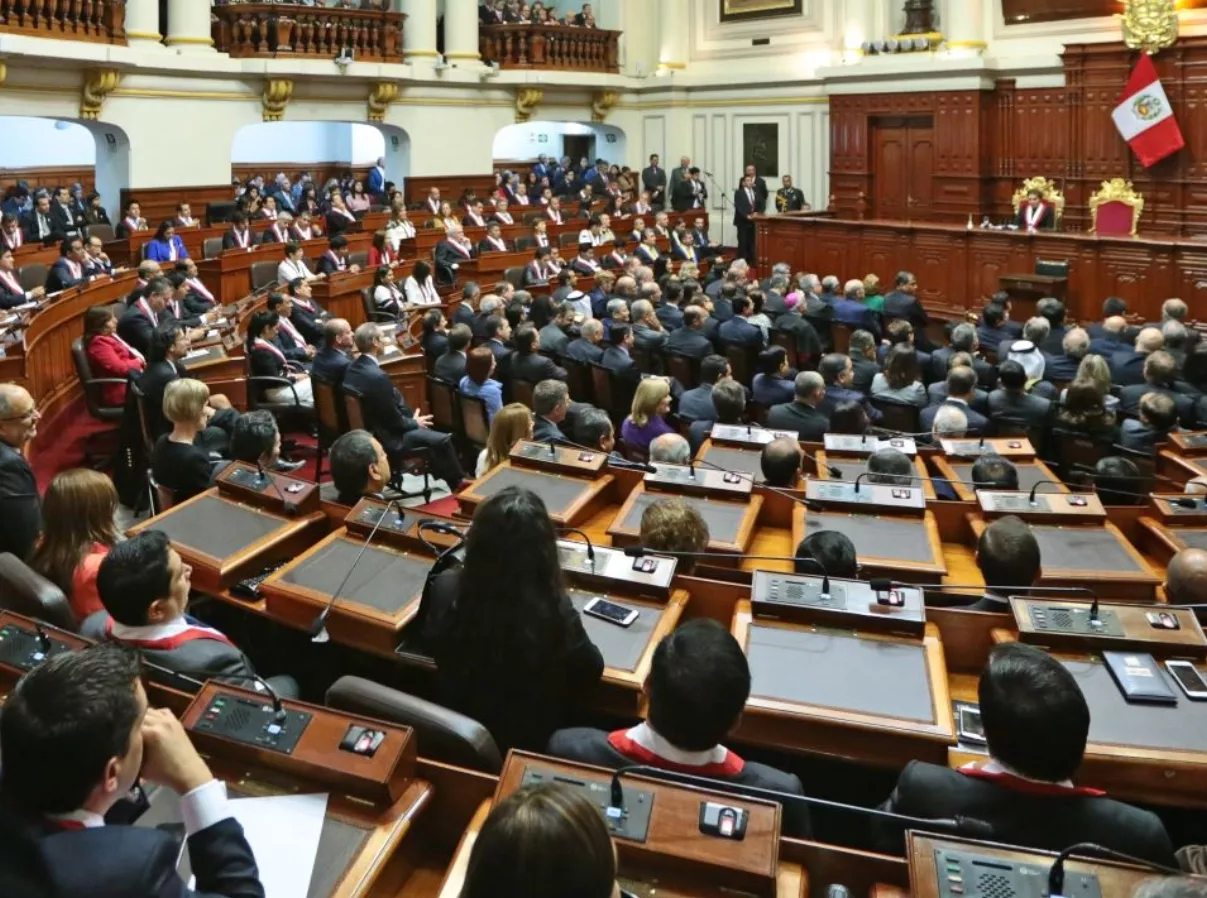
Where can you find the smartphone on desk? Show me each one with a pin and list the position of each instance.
(620, 615)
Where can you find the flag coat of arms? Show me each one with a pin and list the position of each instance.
(1145, 117)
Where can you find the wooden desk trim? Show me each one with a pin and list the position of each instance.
(591, 496)
(967, 494)
(349, 619)
(996, 446)
(937, 567)
(1166, 537)
(625, 536)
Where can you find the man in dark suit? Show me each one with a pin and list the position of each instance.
(451, 253)
(838, 371)
(144, 585)
(70, 758)
(1011, 404)
(698, 684)
(1053, 311)
(738, 331)
(63, 215)
(745, 204)
(527, 364)
(306, 315)
(689, 192)
(996, 327)
(1158, 418)
(1036, 722)
(333, 358)
(555, 336)
(804, 413)
(617, 357)
(1110, 338)
(238, 235)
(1035, 214)
(760, 189)
(864, 366)
(667, 309)
(653, 181)
(961, 387)
(39, 223)
(648, 335)
(586, 348)
(498, 336)
(19, 501)
(450, 367)
(359, 467)
(728, 407)
(691, 340)
(1062, 367)
(68, 270)
(289, 339)
(1127, 367)
(963, 340)
(1112, 307)
(388, 416)
(550, 406)
(137, 324)
(903, 303)
(697, 403)
(1160, 371)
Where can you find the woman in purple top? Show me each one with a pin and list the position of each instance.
(647, 419)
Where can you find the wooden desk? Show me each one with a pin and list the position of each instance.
(738, 519)
(570, 500)
(902, 548)
(852, 467)
(956, 267)
(1029, 474)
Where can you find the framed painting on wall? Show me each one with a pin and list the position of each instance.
(761, 148)
(750, 10)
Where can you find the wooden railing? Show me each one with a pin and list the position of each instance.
(273, 30)
(561, 47)
(96, 21)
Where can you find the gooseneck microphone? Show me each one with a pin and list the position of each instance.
(586, 539)
(290, 508)
(1031, 496)
(278, 708)
(318, 627)
(613, 460)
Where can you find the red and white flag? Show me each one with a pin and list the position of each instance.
(1145, 118)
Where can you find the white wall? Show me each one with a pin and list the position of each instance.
(530, 139)
(308, 142)
(44, 142)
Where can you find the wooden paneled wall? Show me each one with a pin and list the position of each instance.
(48, 176)
(320, 172)
(987, 142)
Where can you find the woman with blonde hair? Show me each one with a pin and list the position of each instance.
(511, 424)
(177, 463)
(1093, 369)
(77, 533)
(647, 416)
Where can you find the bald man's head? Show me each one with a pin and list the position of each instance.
(18, 415)
(1149, 340)
(1186, 578)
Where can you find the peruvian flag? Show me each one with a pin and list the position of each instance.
(1144, 116)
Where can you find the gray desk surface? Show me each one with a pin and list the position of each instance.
(217, 527)
(1113, 721)
(736, 460)
(724, 519)
(897, 539)
(841, 671)
(382, 579)
(558, 493)
(1082, 548)
(1028, 474)
(621, 647)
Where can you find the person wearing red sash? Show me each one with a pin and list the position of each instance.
(77, 737)
(697, 687)
(1036, 723)
(144, 585)
(1036, 214)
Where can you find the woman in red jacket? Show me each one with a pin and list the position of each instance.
(380, 252)
(108, 354)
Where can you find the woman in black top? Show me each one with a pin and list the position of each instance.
(267, 359)
(178, 464)
(509, 646)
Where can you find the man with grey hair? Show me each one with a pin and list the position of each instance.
(1074, 347)
(618, 313)
(1175, 336)
(802, 414)
(950, 423)
(963, 339)
(390, 419)
(648, 335)
(829, 289)
(1174, 310)
(1127, 366)
(775, 288)
(550, 403)
(851, 311)
(489, 306)
(18, 487)
(586, 348)
(626, 288)
(1036, 330)
(670, 449)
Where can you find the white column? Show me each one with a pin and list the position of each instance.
(461, 31)
(673, 27)
(189, 26)
(858, 24)
(419, 29)
(142, 23)
(963, 27)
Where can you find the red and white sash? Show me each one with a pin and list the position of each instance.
(10, 281)
(1034, 215)
(505, 217)
(14, 240)
(261, 343)
(188, 633)
(199, 288)
(288, 327)
(242, 238)
(555, 216)
(498, 243)
(145, 308)
(340, 264)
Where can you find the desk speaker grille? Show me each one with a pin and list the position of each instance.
(994, 885)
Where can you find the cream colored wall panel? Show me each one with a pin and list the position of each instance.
(653, 136)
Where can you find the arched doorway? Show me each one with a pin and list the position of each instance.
(519, 145)
(324, 148)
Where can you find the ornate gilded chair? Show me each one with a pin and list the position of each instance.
(1047, 190)
(1115, 209)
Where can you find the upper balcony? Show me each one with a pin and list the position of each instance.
(95, 21)
(275, 30)
(551, 47)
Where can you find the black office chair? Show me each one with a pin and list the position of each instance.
(108, 414)
(743, 362)
(578, 379)
(410, 461)
(898, 416)
(372, 313)
(684, 368)
(329, 414)
(26, 592)
(474, 420)
(446, 736)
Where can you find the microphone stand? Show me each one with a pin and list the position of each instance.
(724, 204)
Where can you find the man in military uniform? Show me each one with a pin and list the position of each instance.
(789, 198)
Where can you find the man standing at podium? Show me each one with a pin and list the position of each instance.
(1036, 214)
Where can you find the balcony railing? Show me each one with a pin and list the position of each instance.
(560, 47)
(95, 21)
(274, 30)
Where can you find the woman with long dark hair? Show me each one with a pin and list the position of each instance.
(509, 646)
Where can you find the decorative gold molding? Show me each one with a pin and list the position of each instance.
(190, 41)
(98, 84)
(145, 36)
(381, 95)
(409, 53)
(462, 55)
(1117, 190)
(672, 65)
(277, 94)
(966, 45)
(1150, 25)
(3, 71)
(602, 103)
(526, 100)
